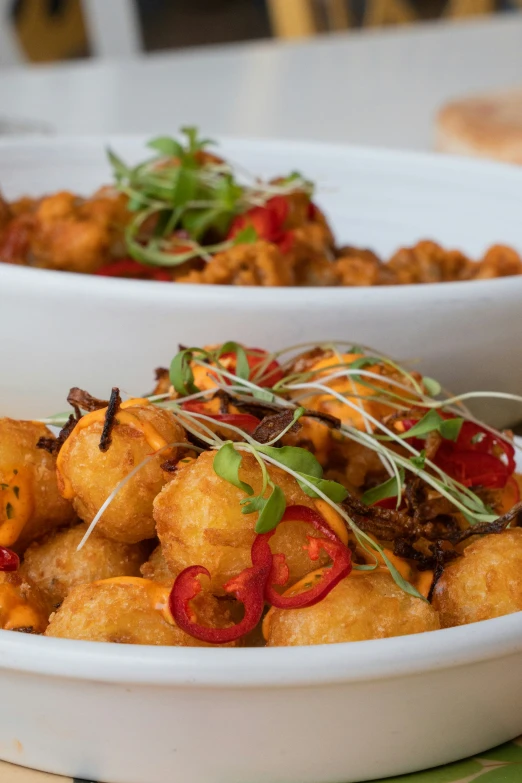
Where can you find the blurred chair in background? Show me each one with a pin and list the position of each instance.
(47, 30)
(302, 18)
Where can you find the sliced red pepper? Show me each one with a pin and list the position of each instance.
(245, 421)
(253, 585)
(9, 560)
(127, 267)
(248, 587)
(268, 221)
(331, 544)
(474, 459)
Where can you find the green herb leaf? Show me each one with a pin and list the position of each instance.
(433, 387)
(250, 505)
(4, 486)
(242, 366)
(121, 171)
(247, 236)
(273, 511)
(418, 462)
(16, 491)
(181, 375)
(299, 460)
(433, 422)
(430, 422)
(9, 511)
(450, 428)
(195, 144)
(167, 146)
(263, 394)
(331, 489)
(226, 465)
(388, 489)
(363, 361)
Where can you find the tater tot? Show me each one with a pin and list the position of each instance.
(30, 504)
(157, 569)
(365, 605)
(22, 607)
(129, 613)
(485, 582)
(87, 475)
(55, 566)
(199, 521)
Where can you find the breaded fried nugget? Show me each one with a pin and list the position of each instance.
(132, 611)
(87, 475)
(55, 566)
(485, 582)
(365, 605)
(199, 521)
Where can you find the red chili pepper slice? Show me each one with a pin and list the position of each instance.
(127, 267)
(9, 560)
(477, 458)
(245, 421)
(268, 220)
(248, 587)
(253, 585)
(339, 553)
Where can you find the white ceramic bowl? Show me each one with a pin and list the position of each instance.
(60, 330)
(328, 714)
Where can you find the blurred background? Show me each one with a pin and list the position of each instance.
(49, 30)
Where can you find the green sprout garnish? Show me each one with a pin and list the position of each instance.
(184, 201)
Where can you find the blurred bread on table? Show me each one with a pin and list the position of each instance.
(487, 126)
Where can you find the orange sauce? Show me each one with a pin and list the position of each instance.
(334, 520)
(16, 503)
(15, 612)
(157, 594)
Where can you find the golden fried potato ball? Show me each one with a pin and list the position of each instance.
(199, 521)
(87, 475)
(156, 568)
(485, 582)
(55, 566)
(365, 605)
(30, 504)
(129, 612)
(22, 607)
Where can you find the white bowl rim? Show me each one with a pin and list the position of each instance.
(292, 295)
(346, 662)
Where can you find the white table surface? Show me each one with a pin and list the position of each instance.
(381, 88)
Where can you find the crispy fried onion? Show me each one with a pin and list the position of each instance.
(110, 419)
(53, 445)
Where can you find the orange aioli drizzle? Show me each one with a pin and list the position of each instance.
(123, 416)
(15, 612)
(16, 501)
(334, 520)
(157, 594)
